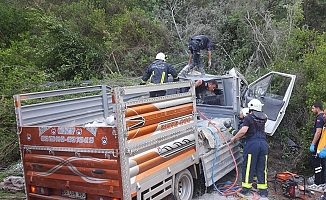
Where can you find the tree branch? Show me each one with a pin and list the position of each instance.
(173, 8)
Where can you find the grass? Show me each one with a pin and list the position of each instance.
(12, 195)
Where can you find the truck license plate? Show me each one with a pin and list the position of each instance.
(72, 194)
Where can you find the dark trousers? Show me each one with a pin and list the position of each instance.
(194, 47)
(197, 61)
(318, 165)
(255, 156)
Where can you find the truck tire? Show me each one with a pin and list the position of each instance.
(184, 185)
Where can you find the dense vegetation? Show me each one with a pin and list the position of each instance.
(70, 41)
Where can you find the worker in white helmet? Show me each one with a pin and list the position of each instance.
(157, 72)
(255, 152)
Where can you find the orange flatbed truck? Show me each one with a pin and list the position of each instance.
(102, 143)
(150, 146)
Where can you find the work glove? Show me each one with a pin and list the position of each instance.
(322, 153)
(229, 127)
(312, 148)
(227, 124)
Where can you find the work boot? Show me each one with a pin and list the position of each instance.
(245, 191)
(263, 193)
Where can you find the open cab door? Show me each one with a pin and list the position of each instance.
(274, 91)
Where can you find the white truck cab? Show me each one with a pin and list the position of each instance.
(273, 90)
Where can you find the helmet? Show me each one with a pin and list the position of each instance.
(255, 104)
(160, 56)
(245, 111)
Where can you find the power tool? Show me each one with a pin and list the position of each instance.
(290, 184)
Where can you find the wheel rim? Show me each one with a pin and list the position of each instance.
(184, 186)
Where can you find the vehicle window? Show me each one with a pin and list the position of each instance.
(278, 87)
(260, 88)
(274, 86)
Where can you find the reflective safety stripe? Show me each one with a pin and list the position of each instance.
(162, 77)
(150, 78)
(318, 169)
(246, 180)
(262, 186)
(246, 185)
(265, 170)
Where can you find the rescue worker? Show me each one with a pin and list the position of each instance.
(242, 115)
(322, 143)
(255, 151)
(197, 43)
(157, 72)
(316, 161)
(232, 130)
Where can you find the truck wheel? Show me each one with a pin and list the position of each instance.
(184, 185)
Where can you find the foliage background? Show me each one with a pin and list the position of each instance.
(71, 41)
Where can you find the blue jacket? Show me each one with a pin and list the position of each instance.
(158, 71)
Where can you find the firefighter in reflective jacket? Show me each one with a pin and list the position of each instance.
(157, 72)
(255, 151)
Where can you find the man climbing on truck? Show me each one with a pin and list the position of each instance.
(197, 43)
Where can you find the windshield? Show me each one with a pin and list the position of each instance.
(274, 86)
